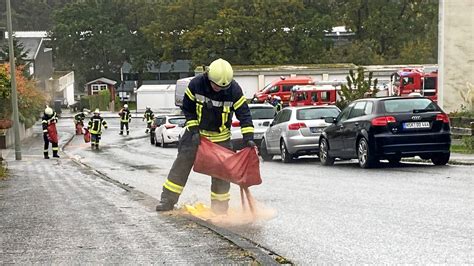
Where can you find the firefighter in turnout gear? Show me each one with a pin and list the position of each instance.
(49, 118)
(95, 128)
(148, 116)
(125, 118)
(276, 102)
(79, 121)
(209, 103)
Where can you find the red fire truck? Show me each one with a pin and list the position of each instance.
(281, 87)
(314, 95)
(414, 80)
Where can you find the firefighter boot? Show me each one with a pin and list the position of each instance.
(164, 206)
(46, 156)
(168, 200)
(121, 132)
(55, 154)
(219, 207)
(128, 132)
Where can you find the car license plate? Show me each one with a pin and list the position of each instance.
(416, 125)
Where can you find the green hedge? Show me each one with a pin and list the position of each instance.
(100, 101)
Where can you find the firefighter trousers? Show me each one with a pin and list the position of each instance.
(95, 138)
(122, 124)
(54, 146)
(179, 173)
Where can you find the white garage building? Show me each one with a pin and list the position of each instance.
(160, 97)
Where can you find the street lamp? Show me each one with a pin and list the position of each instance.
(16, 119)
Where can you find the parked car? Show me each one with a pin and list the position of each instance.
(166, 129)
(295, 131)
(387, 128)
(262, 116)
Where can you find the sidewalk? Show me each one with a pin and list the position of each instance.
(455, 158)
(56, 212)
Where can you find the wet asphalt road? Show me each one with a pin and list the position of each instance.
(413, 213)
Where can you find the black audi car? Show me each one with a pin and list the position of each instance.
(387, 128)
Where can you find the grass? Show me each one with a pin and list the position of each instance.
(3, 171)
(459, 148)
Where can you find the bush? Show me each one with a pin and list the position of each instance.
(468, 143)
(31, 101)
(100, 101)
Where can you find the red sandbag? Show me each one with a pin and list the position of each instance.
(52, 133)
(87, 136)
(241, 168)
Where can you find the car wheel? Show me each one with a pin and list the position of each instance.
(264, 152)
(152, 138)
(394, 160)
(156, 141)
(163, 144)
(286, 157)
(425, 157)
(440, 158)
(364, 154)
(324, 156)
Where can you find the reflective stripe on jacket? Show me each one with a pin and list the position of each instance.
(125, 115)
(212, 111)
(149, 116)
(95, 125)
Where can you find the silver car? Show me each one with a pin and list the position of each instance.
(295, 131)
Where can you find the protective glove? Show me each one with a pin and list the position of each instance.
(251, 143)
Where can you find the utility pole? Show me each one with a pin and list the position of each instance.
(16, 119)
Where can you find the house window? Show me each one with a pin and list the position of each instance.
(96, 88)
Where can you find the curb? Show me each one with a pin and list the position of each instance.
(451, 162)
(262, 255)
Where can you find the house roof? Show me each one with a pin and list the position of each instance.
(104, 80)
(156, 88)
(31, 41)
(28, 34)
(32, 46)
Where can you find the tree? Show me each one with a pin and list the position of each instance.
(31, 101)
(357, 87)
(28, 15)
(392, 24)
(20, 53)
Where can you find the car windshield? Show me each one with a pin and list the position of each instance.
(407, 105)
(177, 121)
(262, 113)
(266, 87)
(316, 113)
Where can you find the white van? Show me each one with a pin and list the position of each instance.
(181, 85)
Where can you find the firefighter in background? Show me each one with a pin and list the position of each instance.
(95, 128)
(125, 118)
(208, 105)
(79, 121)
(268, 99)
(49, 117)
(276, 102)
(148, 116)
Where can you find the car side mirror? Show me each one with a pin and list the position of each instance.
(330, 120)
(272, 123)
